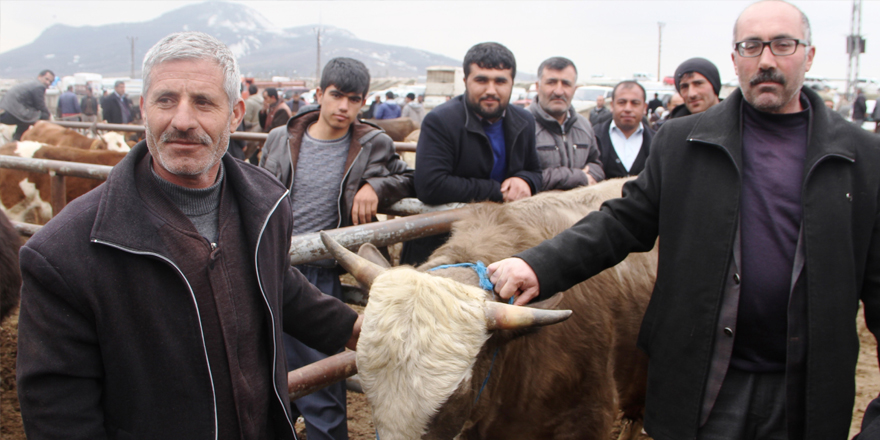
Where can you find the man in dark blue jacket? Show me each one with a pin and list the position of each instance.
(475, 148)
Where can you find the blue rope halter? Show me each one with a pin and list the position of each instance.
(478, 267)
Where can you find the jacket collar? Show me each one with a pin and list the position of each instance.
(549, 122)
(721, 125)
(362, 133)
(513, 122)
(124, 219)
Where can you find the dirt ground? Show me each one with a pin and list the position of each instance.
(360, 425)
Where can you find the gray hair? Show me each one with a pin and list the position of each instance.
(195, 46)
(805, 22)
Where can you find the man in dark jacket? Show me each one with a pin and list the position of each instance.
(860, 108)
(117, 106)
(153, 306)
(275, 112)
(25, 104)
(768, 205)
(698, 82)
(388, 109)
(564, 139)
(625, 140)
(600, 112)
(333, 164)
(475, 147)
(68, 106)
(89, 106)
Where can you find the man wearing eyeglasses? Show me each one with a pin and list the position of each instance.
(768, 205)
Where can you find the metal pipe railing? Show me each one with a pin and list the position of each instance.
(58, 167)
(308, 247)
(242, 135)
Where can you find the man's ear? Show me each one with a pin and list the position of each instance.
(237, 114)
(319, 94)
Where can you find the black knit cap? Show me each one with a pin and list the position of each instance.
(703, 67)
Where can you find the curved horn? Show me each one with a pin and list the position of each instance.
(500, 316)
(362, 269)
(320, 374)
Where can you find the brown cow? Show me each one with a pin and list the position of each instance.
(413, 137)
(426, 349)
(25, 195)
(53, 134)
(396, 129)
(10, 274)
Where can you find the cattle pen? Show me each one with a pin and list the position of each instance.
(416, 220)
(94, 127)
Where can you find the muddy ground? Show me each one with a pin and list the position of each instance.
(360, 426)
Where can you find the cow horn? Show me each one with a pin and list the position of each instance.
(500, 316)
(365, 271)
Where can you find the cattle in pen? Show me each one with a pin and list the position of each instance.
(53, 134)
(440, 358)
(25, 195)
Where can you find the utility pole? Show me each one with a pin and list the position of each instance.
(855, 46)
(318, 63)
(660, 25)
(132, 39)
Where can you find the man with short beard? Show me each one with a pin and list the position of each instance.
(565, 140)
(475, 147)
(153, 306)
(768, 209)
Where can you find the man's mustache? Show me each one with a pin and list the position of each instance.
(767, 76)
(182, 136)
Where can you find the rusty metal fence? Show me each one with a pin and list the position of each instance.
(94, 127)
(415, 220)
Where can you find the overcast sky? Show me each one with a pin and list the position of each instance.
(615, 38)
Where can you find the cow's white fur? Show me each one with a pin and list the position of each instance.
(416, 346)
(27, 148)
(31, 206)
(115, 142)
(6, 133)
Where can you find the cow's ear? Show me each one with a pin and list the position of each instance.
(373, 254)
(551, 303)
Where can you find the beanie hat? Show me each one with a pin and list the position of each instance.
(703, 67)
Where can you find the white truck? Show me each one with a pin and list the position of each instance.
(442, 83)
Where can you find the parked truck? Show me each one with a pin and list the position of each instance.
(442, 83)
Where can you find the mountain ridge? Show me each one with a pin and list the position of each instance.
(261, 48)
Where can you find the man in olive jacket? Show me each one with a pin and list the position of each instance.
(153, 306)
(767, 245)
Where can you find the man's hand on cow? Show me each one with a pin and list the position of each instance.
(355, 333)
(590, 179)
(514, 277)
(364, 206)
(515, 188)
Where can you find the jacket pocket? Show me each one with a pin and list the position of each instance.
(581, 155)
(548, 155)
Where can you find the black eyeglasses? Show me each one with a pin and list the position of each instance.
(780, 47)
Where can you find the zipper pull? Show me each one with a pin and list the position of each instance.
(213, 246)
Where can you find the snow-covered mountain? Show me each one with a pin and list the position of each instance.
(262, 49)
